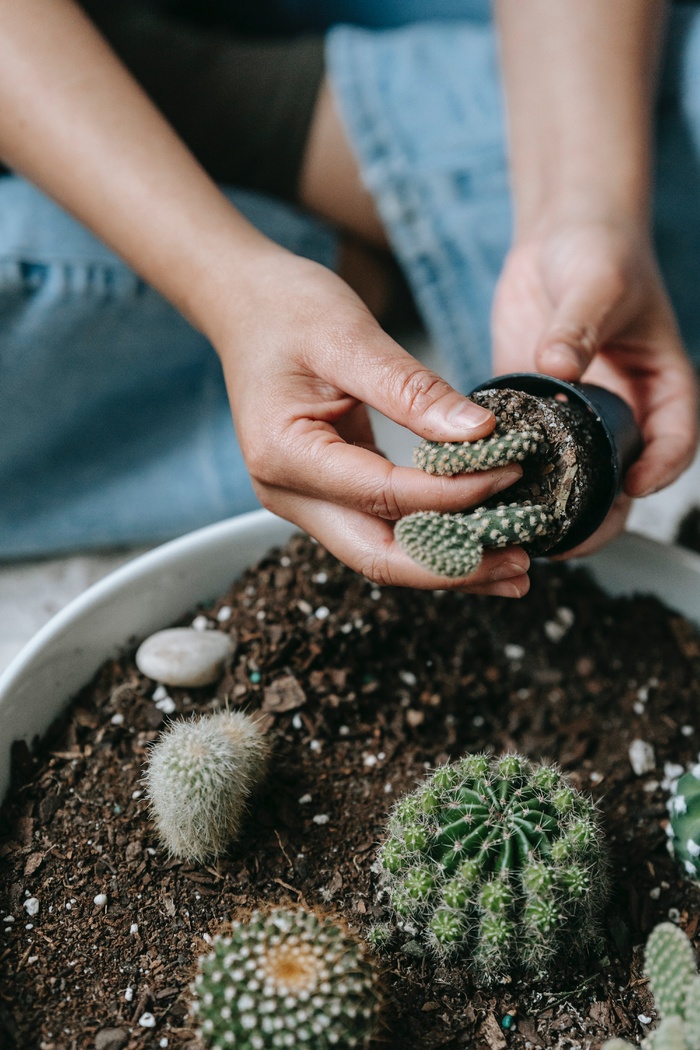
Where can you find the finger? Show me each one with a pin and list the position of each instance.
(320, 465)
(355, 428)
(669, 431)
(579, 326)
(367, 545)
(377, 371)
(611, 527)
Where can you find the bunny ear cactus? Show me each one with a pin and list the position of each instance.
(684, 824)
(671, 968)
(201, 773)
(499, 860)
(285, 979)
(556, 450)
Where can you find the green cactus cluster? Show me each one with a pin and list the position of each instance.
(285, 979)
(673, 978)
(453, 544)
(684, 821)
(498, 860)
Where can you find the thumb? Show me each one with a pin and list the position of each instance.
(393, 382)
(579, 326)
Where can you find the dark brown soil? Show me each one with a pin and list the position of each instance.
(362, 689)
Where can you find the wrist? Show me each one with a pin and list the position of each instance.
(577, 209)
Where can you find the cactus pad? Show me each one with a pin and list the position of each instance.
(462, 457)
(285, 979)
(499, 860)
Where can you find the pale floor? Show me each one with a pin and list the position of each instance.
(32, 592)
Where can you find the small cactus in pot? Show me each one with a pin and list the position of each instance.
(285, 978)
(560, 499)
(673, 978)
(500, 861)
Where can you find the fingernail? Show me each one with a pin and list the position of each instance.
(506, 478)
(508, 571)
(563, 356)
(469, 415)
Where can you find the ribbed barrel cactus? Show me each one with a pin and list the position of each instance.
(557, 452)
(201, 773)
(684, 824)
(285, 979)
(670, 966)
(499, 860)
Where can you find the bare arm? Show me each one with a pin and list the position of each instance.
(301, 354)
(581, 291)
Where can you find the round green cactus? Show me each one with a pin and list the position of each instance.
(285, 979)
(684, 824)
(499, 860)
(201, 773)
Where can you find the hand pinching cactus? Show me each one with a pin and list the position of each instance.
(200, 775)
(557, 452)
(285, 979)
(670, 966)
(501, 861)
(684, 824)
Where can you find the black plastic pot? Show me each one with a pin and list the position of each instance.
(618, 431)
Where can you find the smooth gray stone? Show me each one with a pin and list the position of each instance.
(183, 656)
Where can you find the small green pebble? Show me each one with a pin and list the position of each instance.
(117, 808)
(255, 677)
(507, 1021)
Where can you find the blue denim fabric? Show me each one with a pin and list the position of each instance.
(114, 423)
(422, 106)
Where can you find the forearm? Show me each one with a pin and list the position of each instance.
(74, 122)
(579, 79)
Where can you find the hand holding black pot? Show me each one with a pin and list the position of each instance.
(575, 443)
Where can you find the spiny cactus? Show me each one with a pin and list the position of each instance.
(558, 442)
(201, 773)
(499, 860)
(670, 966)
(463, 457)
(684, 823)
(453, 544)
(285, 979)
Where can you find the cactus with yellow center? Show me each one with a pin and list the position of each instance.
(500, 861)
(285, 979)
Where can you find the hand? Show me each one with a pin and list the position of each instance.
(301, 363)
(586, 299)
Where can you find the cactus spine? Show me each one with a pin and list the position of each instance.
(684, 824)
(285, 979)
(670, 966)
(201, 773)
(499, 860)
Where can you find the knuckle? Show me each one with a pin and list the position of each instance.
(376, 569)
(419, 390)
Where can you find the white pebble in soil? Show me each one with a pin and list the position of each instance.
(129, 994)
(224, 613)
(147, 1020)
(200, 623)
(31, 906)
(183, 656)
(100, 900)
(118, 719)
(321, 818)
(642, 757)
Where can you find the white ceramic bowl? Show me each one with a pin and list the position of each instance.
(156, 588)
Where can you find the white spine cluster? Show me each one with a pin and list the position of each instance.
(285, 979)
(200, 775)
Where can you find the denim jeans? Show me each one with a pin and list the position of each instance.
(114, 424)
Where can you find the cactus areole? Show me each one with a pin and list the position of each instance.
(574, 443)
(500, 861)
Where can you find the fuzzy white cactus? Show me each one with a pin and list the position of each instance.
(200, 775)
(285, 979)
